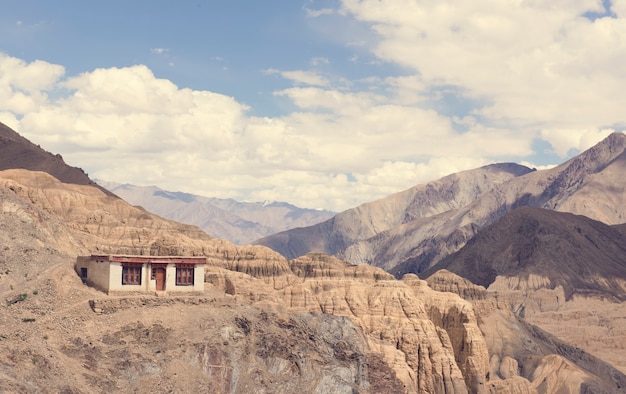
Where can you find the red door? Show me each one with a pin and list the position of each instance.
(160, 279)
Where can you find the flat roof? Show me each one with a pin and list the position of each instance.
(116, 258)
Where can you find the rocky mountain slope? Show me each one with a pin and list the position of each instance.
(413, 230)
(583, 256)
(361, 226)
(264, 324)
(562, 272)
(18, 152)
(238, 222)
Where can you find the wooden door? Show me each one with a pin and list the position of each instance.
(160, 279)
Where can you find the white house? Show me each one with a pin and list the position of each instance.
(120, 273)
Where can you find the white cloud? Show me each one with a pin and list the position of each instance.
(316, 61)
(10, 120)
(480, 81)
(301, 77)
(536, 62)
(564, 140)
(126, 125)
(537, 167)
(314, 13)
(28, 77)
(159, 51)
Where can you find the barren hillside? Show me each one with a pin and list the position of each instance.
(583, 256)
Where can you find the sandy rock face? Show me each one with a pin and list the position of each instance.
(523, 357)
(430, 340)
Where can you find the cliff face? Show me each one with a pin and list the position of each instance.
(524, 357)
(430, 340)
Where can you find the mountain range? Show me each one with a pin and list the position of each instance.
(238, 222)
(409, 232)
(314, 323)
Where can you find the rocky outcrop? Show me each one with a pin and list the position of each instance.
(523, 357)
(429, 339)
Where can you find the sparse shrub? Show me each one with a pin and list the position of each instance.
(28, 319)
(45, 337)
(35, 292)
(17, 299)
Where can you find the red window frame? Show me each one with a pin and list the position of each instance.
(185, 274)
(131, 274)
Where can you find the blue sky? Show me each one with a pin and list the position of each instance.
(220, 46)
(324, 104)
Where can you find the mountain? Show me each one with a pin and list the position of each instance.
(342, 233)
(239, 222)
(18, 152)
(560, 272)
(412, 230)
(583, 256)
(264, 323)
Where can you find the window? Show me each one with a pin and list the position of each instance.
(184, 274)
(83, 274)
(131, 274)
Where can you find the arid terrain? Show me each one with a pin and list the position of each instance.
(269, 324)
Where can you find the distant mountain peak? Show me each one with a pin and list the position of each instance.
(603, 152)
(239, 222)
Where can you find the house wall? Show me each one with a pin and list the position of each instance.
(198, 279)
(115, 278)
(98, 273)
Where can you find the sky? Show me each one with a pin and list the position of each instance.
(324, 104)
